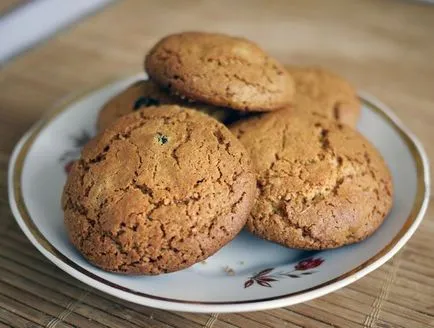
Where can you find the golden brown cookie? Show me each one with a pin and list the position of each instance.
(138, 95)
(326, 94)
(321, 183)
(220, 70)
(146, 93)
(159, 190)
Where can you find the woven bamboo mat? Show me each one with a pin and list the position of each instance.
(386, 48)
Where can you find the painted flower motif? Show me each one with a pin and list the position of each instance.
(308, 264)
(68, 166)
(81, 139)
(69, 157)
(262, 278)
(265, 277)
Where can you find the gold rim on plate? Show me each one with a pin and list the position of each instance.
(418, 206)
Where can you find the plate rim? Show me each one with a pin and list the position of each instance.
(27, 225)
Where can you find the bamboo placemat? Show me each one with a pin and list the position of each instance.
(386, 48)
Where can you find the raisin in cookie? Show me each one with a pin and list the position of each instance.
(321, 183)
(146, 93)
(220, 70)
(157, 191)
(326, 94)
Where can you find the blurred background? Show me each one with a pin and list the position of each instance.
(380, 46)
(23, 23)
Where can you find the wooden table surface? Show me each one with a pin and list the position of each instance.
(383, 47)
(7, 6)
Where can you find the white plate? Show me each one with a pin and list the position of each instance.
(248, 274)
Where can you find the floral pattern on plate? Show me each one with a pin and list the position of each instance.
(265, 277)
(69, 157)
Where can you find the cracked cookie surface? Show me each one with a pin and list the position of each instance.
(146, 93)
(220, 70)
(158, 191)
(326, 94)
(321, 184)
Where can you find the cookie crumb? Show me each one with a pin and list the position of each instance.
(229, 271)
(203, 262)
(241, 262)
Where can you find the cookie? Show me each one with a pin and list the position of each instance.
(220, 70)
(145, 93)
(157, 191)
(326, 94)
(321, 183)
(135, 97)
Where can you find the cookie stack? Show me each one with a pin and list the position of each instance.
(165, 185)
